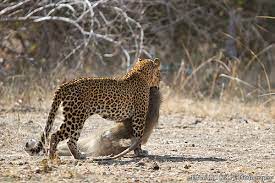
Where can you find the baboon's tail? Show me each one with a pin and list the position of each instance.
(33, 149)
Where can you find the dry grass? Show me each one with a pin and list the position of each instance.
(174, 102)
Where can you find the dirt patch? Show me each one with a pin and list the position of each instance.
(183, 148)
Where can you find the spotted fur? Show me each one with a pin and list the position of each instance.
(115, 99)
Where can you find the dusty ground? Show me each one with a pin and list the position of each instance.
(185, 147)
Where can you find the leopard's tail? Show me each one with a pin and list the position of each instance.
(35, 148)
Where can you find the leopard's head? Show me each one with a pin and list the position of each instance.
(150, 70)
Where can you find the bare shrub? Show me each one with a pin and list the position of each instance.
(47, 42)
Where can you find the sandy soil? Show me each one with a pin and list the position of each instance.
(183, 148)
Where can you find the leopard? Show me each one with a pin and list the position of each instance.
(115, 139)
(116, 99)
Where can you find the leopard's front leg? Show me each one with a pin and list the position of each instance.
(138, 126)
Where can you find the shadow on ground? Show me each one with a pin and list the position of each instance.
(161, 159)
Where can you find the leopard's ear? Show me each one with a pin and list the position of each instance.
(157, 61)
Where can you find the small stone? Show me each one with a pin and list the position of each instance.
(243, 120)
(30, 122)
(193, 145)
(187, 166)
(141, 163)
(37, 170)
(20, 163)
(197, 121)
(155, 166)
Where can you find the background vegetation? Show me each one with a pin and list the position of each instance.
(207, 48)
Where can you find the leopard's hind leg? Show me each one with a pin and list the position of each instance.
(71, 128)
(57, 137)
(72, 143)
